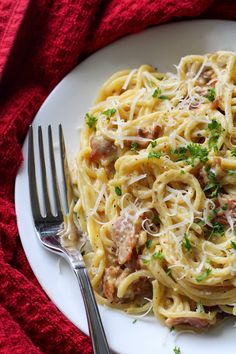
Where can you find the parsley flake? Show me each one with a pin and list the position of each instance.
(217, 229)
(118, 191)
(213, 187)
(204, 275)
(215, 131)
(145, 261)
(154, 154)
(148, 244)
(186, 243)
(156, 92)
(197, 152)
(109, 112)
(180, 153)
(91, 121)
(163, 97)
(191, 153)
(134, 146)
(154, 143)
(158, 255)
(176, 350)
(211, 94)
(233, 245)
(199, 222)
(233, 152)
(134, 321)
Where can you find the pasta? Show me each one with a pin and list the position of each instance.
(155, 189)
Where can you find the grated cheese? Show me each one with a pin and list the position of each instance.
(98, 200)
(129, 77)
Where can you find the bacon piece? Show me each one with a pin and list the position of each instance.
(142, 287)
(150, 133)
(201, 175)
(230, 204)
(124, 237)
(112, 278)
(199, 323)
(102, 149)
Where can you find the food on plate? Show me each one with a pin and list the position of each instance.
(155, 183)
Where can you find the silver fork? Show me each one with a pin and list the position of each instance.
(48, 227)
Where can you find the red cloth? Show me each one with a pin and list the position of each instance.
(40, 42)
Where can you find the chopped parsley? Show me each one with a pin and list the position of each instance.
(211, 94)
(176, 350)
(199, 222)
(217, 229)
(145, 261)
(211, 216)
(233, 245)
(134, 146)
(233, 152)
(91, 121)
(190, 153)
(158, 255)
(134, 321)
(203, 275)
(154, 143)
(154, 154)
(213, 187)
(148, 244)
(215, 131)
(163, 97)
(180, 153)
(118, 191)
(197, 152)
(156, 92)
(109, 112)
(186, 243)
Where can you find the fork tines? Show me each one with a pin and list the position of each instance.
(44, 172)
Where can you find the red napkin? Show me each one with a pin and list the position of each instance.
(40, 42)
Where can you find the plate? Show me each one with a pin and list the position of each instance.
(161, 46)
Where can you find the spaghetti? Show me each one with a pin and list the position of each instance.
(155, 182)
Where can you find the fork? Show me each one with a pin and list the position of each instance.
(49, 226)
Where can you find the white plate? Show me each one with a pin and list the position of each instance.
(162, 47)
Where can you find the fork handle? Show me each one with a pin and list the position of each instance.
(96, 330)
